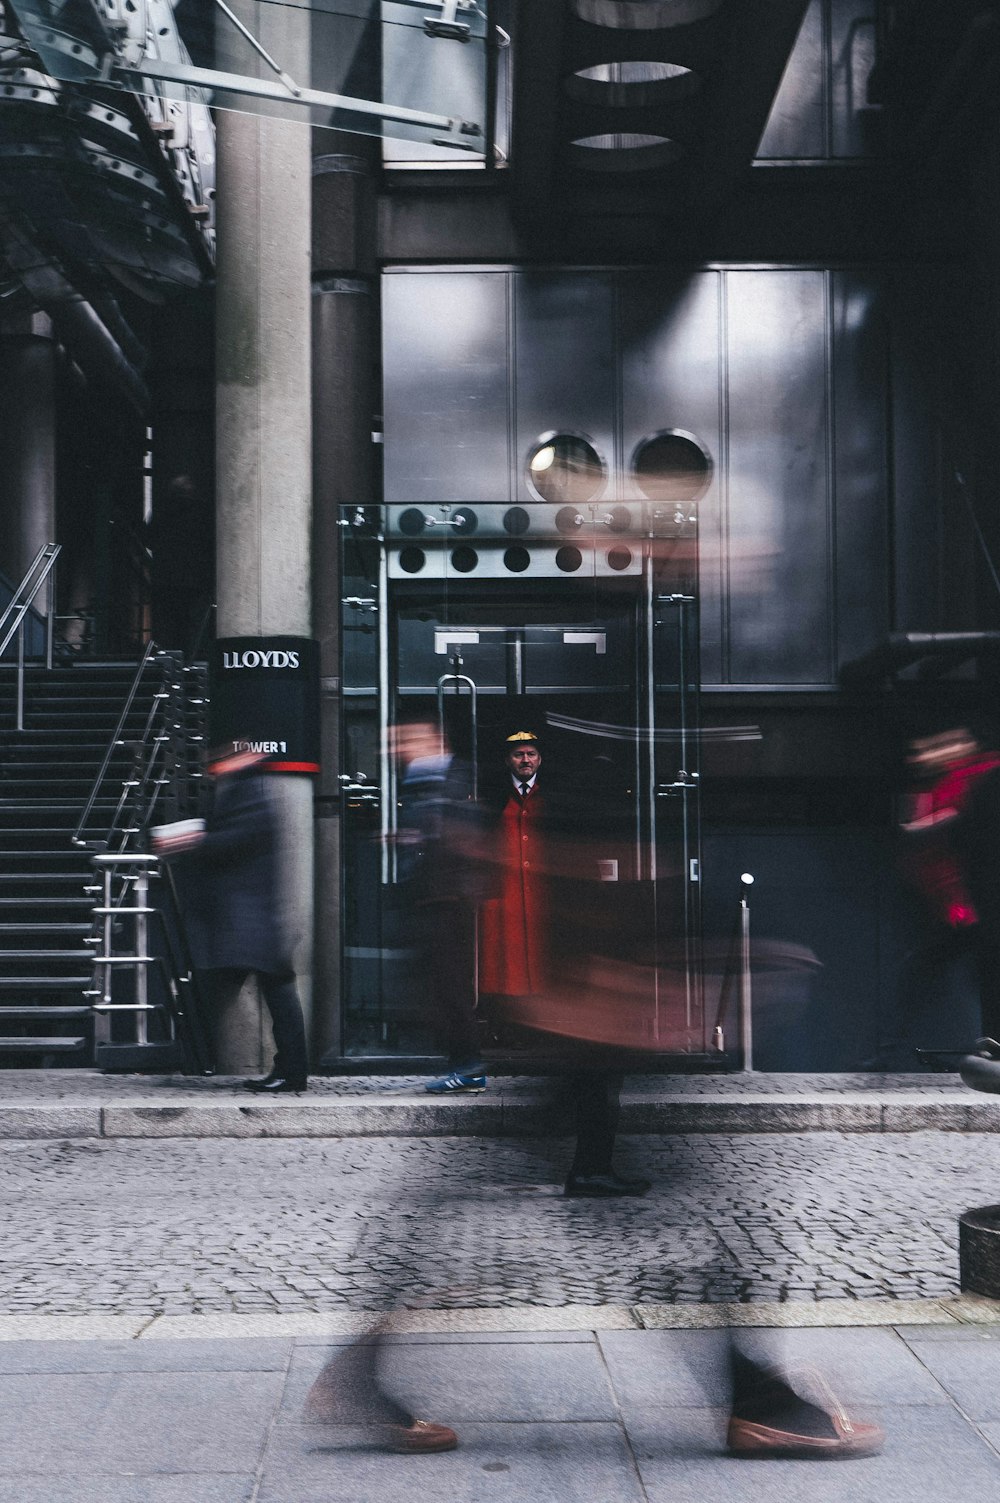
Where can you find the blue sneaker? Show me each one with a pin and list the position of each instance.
(455, 1082)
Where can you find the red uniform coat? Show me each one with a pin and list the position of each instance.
(513, 941)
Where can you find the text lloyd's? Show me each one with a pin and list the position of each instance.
(253, 657)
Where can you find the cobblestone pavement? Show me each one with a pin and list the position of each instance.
(182, 1226)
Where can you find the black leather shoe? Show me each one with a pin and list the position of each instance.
(599, 1186)
(272, 1084)
(258, 1085)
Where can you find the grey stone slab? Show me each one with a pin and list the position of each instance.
(915, 1336)
(969, 1372)
(305, 1119)
(527, 1463)
(50, 1120)
(138, 1423)
(935, 1116)
(138, 1356)
(71, 1327)
(930, 1456)
(458, 1338)
(794, 1313)
(654, 1369)
(185, 1488)
(778, 1114)
(489, 1382)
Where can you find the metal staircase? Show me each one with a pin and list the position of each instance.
(71, 716)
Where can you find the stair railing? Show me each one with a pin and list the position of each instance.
(165, 763)
(42, 571)
(159, 757)
(125, 917)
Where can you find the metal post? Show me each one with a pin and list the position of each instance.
(141, 950)
(50, 618)
(102, 1022)
(20, 677)
(745, 986)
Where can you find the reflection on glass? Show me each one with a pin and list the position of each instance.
(672, 468)
(566, 468)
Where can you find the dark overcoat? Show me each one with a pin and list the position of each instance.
(230, 882)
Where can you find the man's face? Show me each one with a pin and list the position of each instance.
(524, 761)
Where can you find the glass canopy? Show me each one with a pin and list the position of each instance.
(408, 70)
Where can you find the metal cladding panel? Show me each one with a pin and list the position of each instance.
(916, 458)
(565, 357)
(860, 470)
(445, 364)
(671, 375)
(450, 524)
(779, 522)
(492, 559)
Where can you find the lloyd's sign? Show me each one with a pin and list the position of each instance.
(265, 698)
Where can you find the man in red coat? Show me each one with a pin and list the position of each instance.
(516, 961)
(515, 923)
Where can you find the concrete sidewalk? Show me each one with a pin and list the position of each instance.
(597, 1414)
(89, 1104)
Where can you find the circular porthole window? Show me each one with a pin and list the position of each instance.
(566, 469)
(516, 521)
(412, 522)
(619, 519)
(464, 521)
(516, 560)
(619, 558)
(464, 559)
(672, 468)
(412, 560)
(569, 559)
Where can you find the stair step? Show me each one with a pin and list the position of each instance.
(44, 1013)
(54, 927)
(45, 983)
(33, 901)
(20, 954)
(55, 1045)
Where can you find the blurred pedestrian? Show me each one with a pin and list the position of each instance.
(950, 859)
(233, 905)
(440, 878)
(536, 834)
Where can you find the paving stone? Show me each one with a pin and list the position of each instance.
(524, 1382)
(930, 1456)
(183, 1488)
(509, 1463)
(98, 1422)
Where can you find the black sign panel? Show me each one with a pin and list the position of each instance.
(265, 698)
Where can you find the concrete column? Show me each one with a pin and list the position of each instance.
(27, 442)
(264, 462)
(345, 364)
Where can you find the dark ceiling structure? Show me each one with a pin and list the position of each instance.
(646, 106)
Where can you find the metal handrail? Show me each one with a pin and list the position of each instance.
(184, 1005)
(77, 837)
(18, 608)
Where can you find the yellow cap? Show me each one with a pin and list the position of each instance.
(522, 736)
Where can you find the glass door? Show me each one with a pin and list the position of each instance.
(602, 668)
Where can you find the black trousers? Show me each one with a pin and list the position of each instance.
(595, 1096)
(448, 947)
(291, 1057)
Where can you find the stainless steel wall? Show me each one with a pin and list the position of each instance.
(780, 375)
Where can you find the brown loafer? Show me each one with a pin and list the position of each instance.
(421, 1438)
(849, 1438)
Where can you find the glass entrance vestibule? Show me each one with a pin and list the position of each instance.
(567, 618)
